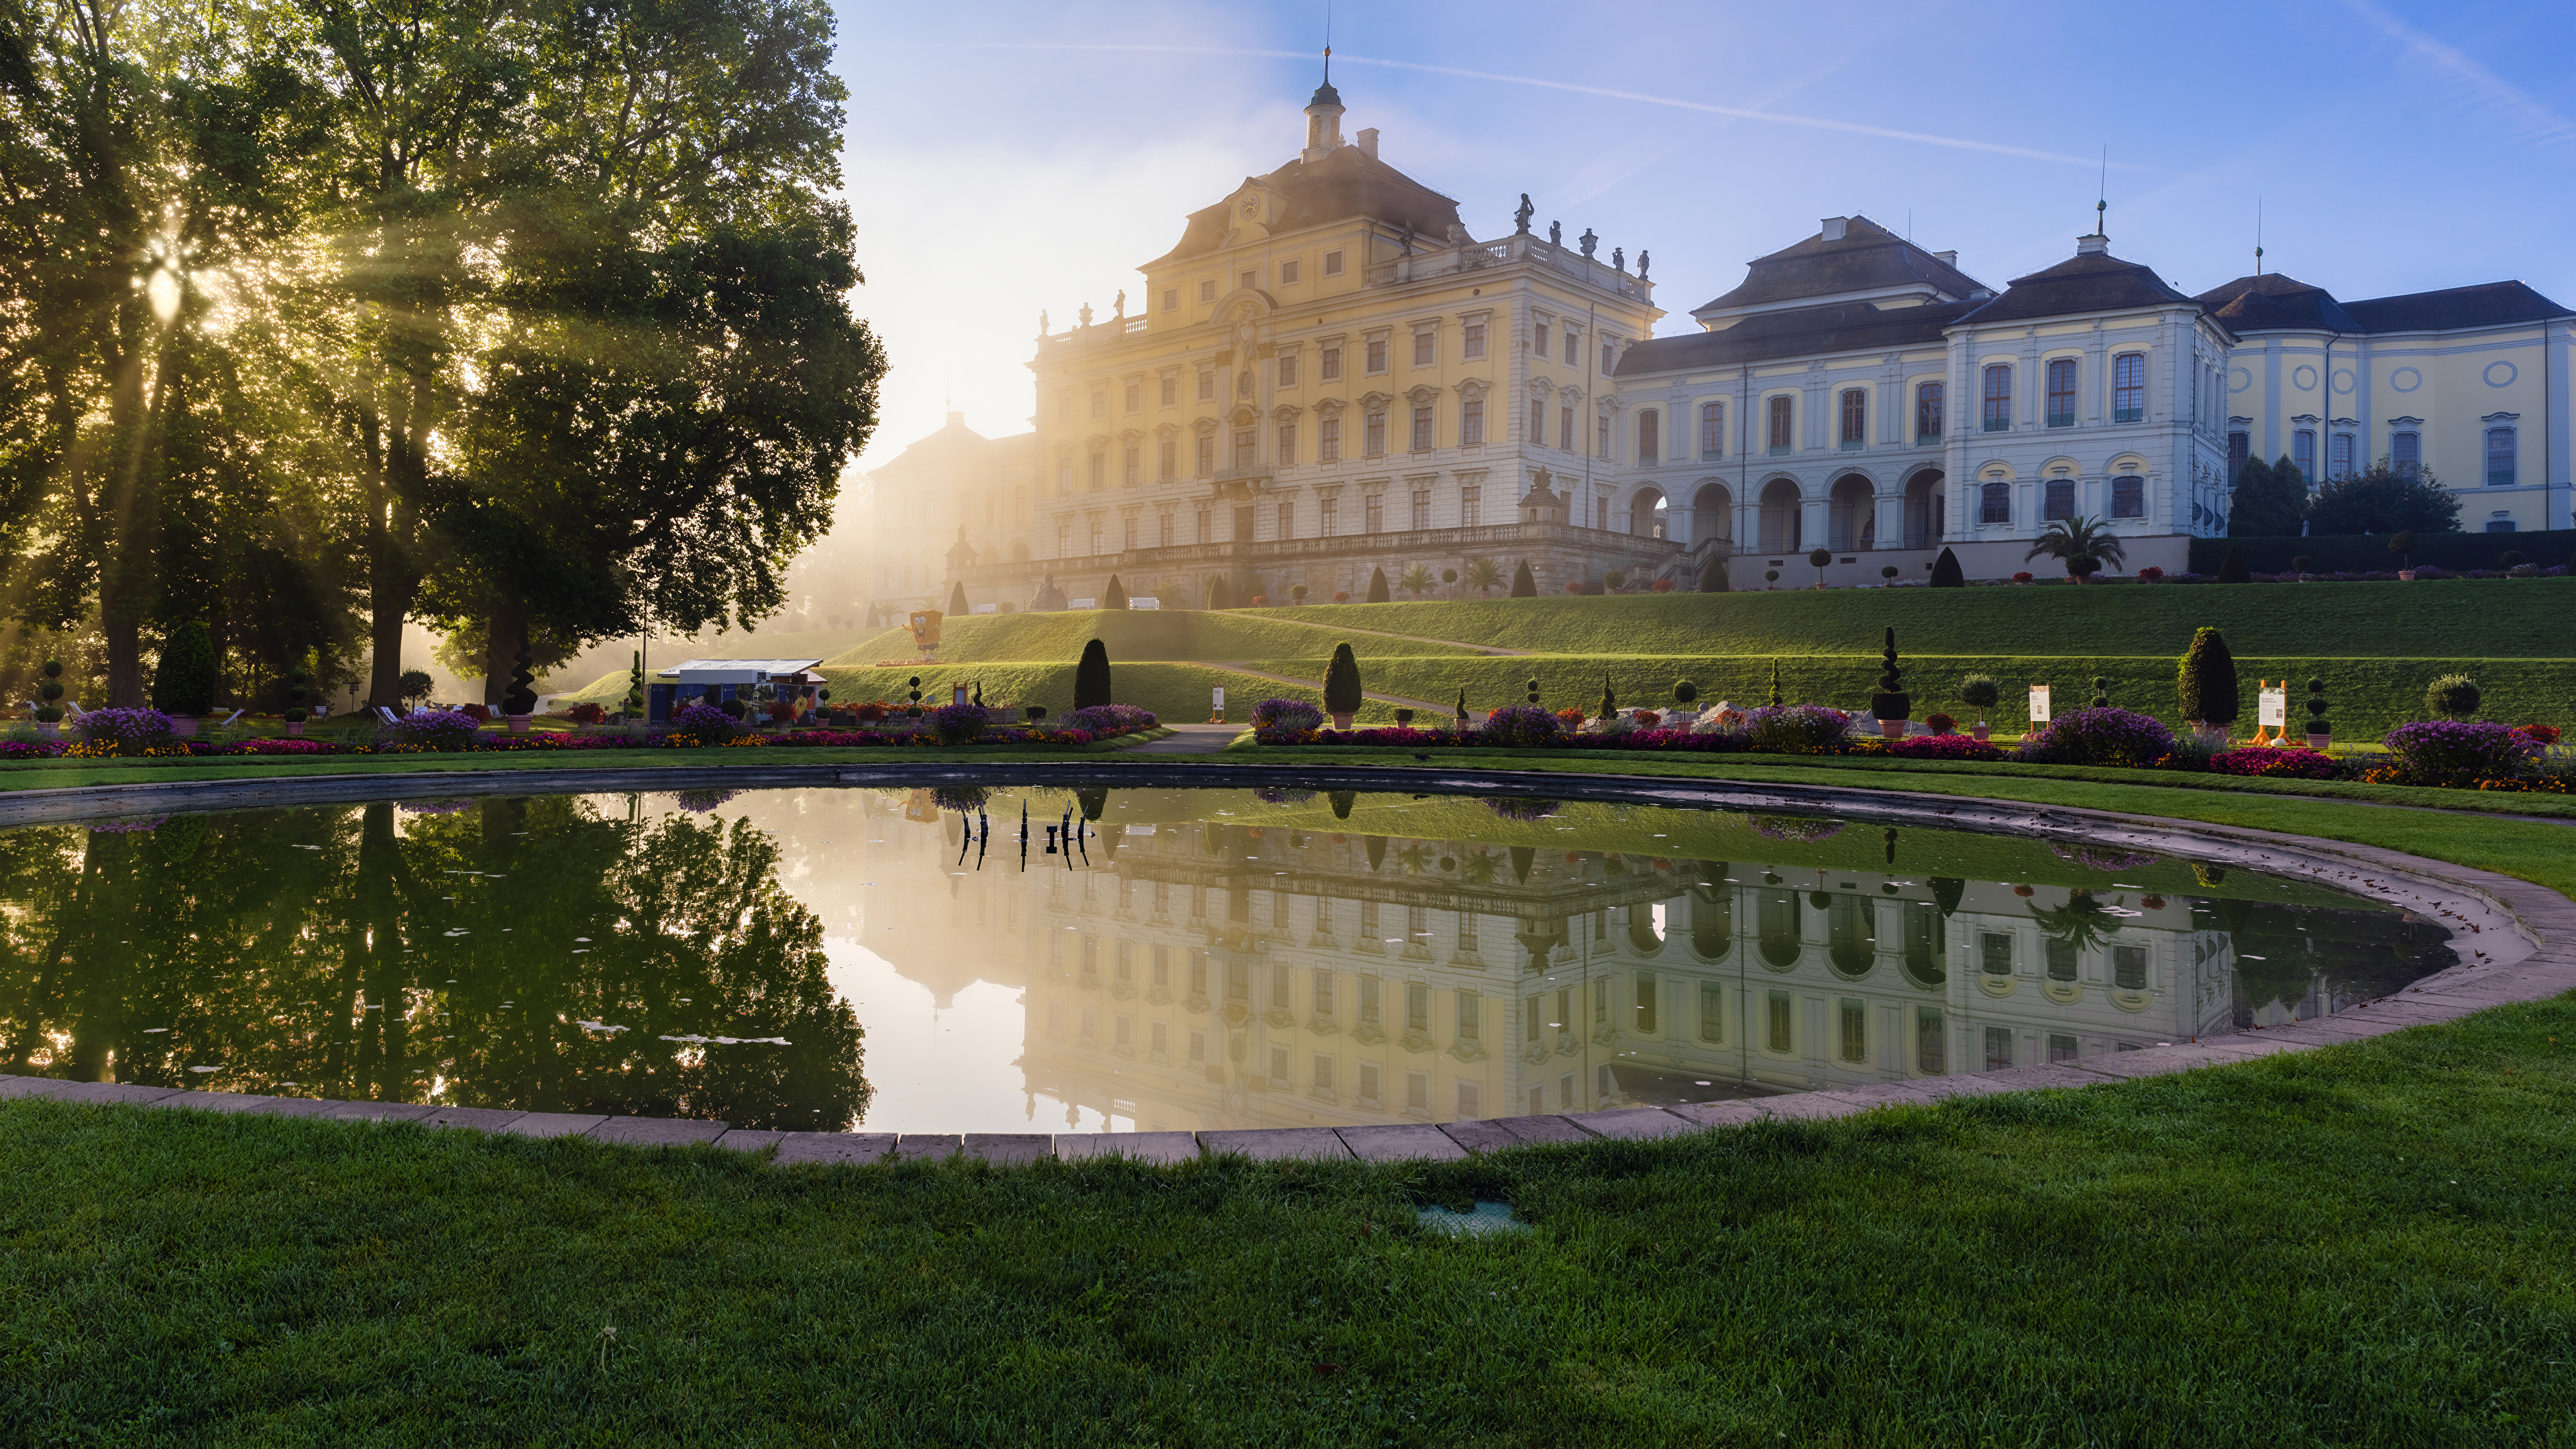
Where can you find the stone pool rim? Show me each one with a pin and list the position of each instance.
(2517, 940)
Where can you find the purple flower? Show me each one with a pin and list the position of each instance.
(1105, 720)
(1798, 729)
(131, 731)
(2445, 752)
(2106, 736)
(1520, 726)
(435, 729)
(957, 724)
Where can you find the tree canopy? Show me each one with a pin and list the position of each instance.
(2385, 500)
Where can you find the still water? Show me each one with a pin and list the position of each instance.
(1182, 959)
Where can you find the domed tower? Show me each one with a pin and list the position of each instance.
(1323, 118)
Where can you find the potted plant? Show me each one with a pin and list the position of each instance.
(2403, 545)
(49, 715)
(2207, 686)
(1685, 696)
(1403, 718)
(1888, 573)
(2320, 733)
(1980, 693)
(183, 685)
(1891, 705)
(299, 698)
(1342, 691)
(1817, 559)
(519, 701)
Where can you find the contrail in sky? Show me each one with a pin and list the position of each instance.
(1818, 123)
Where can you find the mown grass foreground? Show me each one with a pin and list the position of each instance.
(2363, 1245)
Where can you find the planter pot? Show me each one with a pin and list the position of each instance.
(1980, 731)
(518, 723)
(2407, 574)
(1342, 719)
(50, 729)
(295, 729)
(183, 726)
(2318, 743)
(1892, 729)
(2214, 736)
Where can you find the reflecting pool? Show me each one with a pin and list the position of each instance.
(1147, 959)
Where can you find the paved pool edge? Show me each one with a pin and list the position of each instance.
(2517, 941)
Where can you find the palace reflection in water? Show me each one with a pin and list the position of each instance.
(1211, 960)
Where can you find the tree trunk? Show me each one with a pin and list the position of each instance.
(394, 568)
(504, 632)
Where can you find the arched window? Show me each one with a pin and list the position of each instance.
(2060, 504)
(1994, 503)
(2128, 496)
(1928, 409)
(1855, 428)
(1780, 424)
(1712, 430)
(1851, 941)
(2500, 456)
(2061, 392)
(1712, 920)
(1778, 924)
(1998, 398)
(1650, 436)
(2129, 388)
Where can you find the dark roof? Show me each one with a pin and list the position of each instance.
(2253, 304)
(1798, 332)
(1346, 183)
(1324, 95)
(2085, 282)
(2488, 304)
(1868, 258)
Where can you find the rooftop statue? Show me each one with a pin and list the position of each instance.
(1521, 218)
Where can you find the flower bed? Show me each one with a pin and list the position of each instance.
(2105, 736)
(2460, 753)
(2294, 762)
(1935, 747)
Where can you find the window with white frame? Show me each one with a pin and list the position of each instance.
(1373, 513)
(1332, 521)
(1999, 389)
(1373, 434)
(2060, 501)
(1287, 369)
(2303, 453)
(1130, 461)
(2500, 456)
(1099, 472)
(1171, 299)
(1426, 348)
(1328, 440)
(1930, 408)
(1207, 290)
(1135, 394)
(1470, 506)
(1422, 428)
(1712, 431)
(1471, 422)
(1287, 529)
(1288, 445)
(2406, 450)
(1291, 273)
(2339, 456)
(1244, 457)
(1170, 462)
(1565, 429)
(2061, 392)
(1650, 440)
(1538, 338)
(1207, 454)
(1207, 384)
(1779, 436)
(1471, 341)
(2129, 387)
(1171, 390)
(1332, 264)
(1375, 357)
(2128, 496)
(1421, 509)
(1855, 418)
(1994, 503)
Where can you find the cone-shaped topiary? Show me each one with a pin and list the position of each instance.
(1609, 701)
(1377, 593)
(1342, 692)
(957, 598)
(1712, 579)
(2452, 696)
(1116, 596)
(1947, 893)
(184, 683)
(1342, 801)
(1524, 586)
(1218, 597)
(1462, 709)
(1091, 676)
(1891, 701)
(1946, 573)
(1775, 683)
(2206, 687)
(2231, 570)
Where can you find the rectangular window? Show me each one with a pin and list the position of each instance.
(1207, 534)
(1207, 290)
(1426, 349)
(1538, 339)
(1417, 1007)
(2060, 501)
(1129, 535)
(1171, 299)
(1470, 506)
(1573, 348)
(2500, 456)
(2062, 1048)
(1471, 1017)
(2239, 448)
(2406, 451)
(1373, 435)
(1855, 420)
(1422, 428)
(1538, 423)
(1167, 464)
(1064, 477)
(1712, 1012)
(1782, 1040)
(1998, 398)
(1373, 513)
(1136, 395)
(1471, 1101)
(1376, 355)
(2303, 452)
(1368, 1082)
(2061, 392)
(2129, 968)
(1994, 953)
(1287, 521)
(1931, 1055)
(1323, 993)
(1330, 369)
(1323, 1077)
(1471, 340)
(1064, 410)
(1328, 441)
(2129, 388)
(1099, 535)
(2065, 961)
(1287, 369)
(1287, 445)
(1164, 528)
(1122, 1033)
(1244, 457)
(1332, 526)
(1998, 1048)
(1421, 509)
(1247, 280)
(1290, 273)
(1368, 995)
(1332, 264)
(1131, 465)
(1207, 384)
(1100, 402)
(1207, 454)
(1650, 439)
(1064, 538)
(2128, 496)
(1712, 431)
(1471, 423)
(1170, 391)
(1647, 995)
(1601, 438)
(1565, 429)
(1779, 435)
(1929, 408)
(1609, 357)
(1855, 1032)
(2339, 456)
(1099, 472)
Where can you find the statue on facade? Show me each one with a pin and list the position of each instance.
(1408, 238)
(1521, 218)
(1642, 254)
(1458, 235)
(1042, 322)
(1556, 233)
(1120, 308)
(1618, 259)
(1085, 314)
(1588, 241)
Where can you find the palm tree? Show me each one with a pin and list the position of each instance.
(1416, 579)
(2082, 545)
(1484, 575)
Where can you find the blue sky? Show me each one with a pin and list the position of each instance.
(1009, 157)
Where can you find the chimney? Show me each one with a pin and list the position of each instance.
(1947, 259)
(1368, 142)
(2094, 245)
(1836, 226)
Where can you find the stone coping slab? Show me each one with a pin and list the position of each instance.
(2517, 941)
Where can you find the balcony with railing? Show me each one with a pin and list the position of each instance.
(1429, 261)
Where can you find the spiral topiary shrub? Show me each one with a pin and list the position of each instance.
(2106, 736)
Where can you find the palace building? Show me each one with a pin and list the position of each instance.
(1327, 376)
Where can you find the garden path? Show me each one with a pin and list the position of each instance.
(1489, 649)
(1239, 667)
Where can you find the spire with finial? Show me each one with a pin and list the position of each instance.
(1324, 108)
(2258, 236)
